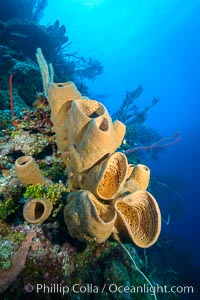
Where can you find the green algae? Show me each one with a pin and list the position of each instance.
(54, 193)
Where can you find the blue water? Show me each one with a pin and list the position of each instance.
(157, 44)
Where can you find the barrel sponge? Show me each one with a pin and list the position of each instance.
(137, 179)
(87, 219)
(98, 140)
(106, 179)
(28, 171)
(139, 218)
(37, 210)
(60, 93)
(80, 115)
(141, 175)
(60, 96)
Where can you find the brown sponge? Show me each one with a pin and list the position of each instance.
(138, 217)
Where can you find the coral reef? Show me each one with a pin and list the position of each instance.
(21, 34)
(29, 10)
(10, 194)
(81, 171)
(22, 142)
(89, 192)
(48, 263)
(86, 139)
(18, 260)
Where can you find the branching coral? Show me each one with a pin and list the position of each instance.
(137, 132)
(129, 111)
(85, 68)
(138, 135)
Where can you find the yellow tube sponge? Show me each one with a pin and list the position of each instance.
(87, 219)
(28, 171)
(139, 218)
(60, 96)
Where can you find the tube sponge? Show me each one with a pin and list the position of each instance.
(37, 210)
(60, 96)
(27, 171)
(98, 141)
(141, 175)
(139, 218)
(87, 219)
(105, 180)
(80, 115)
(137, 179)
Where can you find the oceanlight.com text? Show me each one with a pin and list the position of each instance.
(152, 290)
(112, 288)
